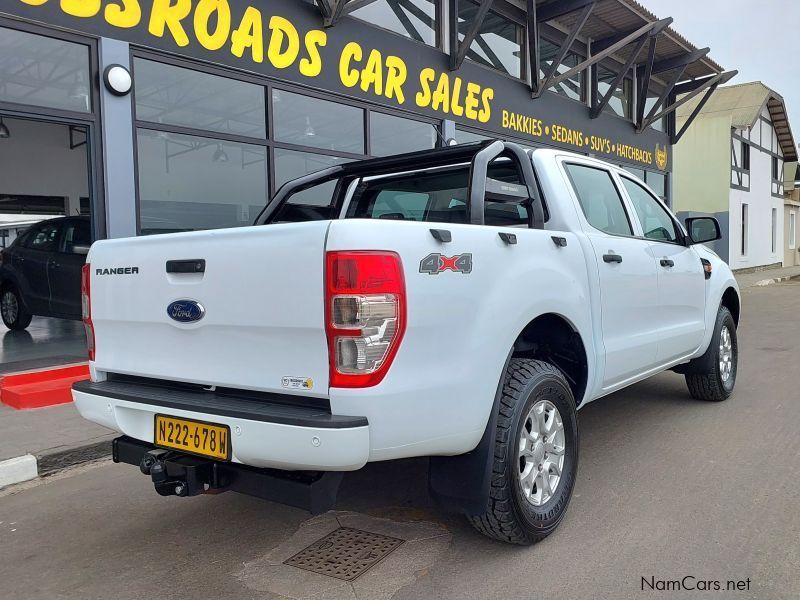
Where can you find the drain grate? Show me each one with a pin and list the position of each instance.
(345, 553)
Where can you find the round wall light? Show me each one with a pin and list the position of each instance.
(118, 80)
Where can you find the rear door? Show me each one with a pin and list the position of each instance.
(30, 264)
(681, 278)
(627, 275)
(64, 268)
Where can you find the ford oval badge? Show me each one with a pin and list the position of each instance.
(185, 311)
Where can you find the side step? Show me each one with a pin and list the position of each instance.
(37, 389)
(178, 474)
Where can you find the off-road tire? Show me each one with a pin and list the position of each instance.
(509, 516)
(22, 318)
(709, 385)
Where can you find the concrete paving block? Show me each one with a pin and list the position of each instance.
(401, 568)
(405, 530)
(424, 543)
(17, 470)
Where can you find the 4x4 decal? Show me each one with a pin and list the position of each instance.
(435, 263)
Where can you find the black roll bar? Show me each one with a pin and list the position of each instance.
(479, 155)
(478, 172)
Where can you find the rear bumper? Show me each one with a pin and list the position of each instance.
(177, 474)
(264, 434)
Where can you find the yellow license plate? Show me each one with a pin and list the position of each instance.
(195, 437)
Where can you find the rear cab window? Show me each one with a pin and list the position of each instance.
(437, 197)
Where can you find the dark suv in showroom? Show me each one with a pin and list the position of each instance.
(40, 273)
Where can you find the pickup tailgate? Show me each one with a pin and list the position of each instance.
(261, 292)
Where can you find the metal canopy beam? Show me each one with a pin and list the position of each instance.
(333, 10)
(559, 8)
(710, 87)
(650, 118)
(551, 79)
(459, 49)
(681, 60)
(597, 107)
(645, 81)
(534, 54)
(690, 86)
(713, 81)
(595, 58)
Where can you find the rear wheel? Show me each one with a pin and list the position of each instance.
(12, 310)
(535, 455)
(717, 381)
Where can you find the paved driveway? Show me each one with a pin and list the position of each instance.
(667, 488)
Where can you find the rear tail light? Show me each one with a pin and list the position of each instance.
(86, 308)
(365, 315)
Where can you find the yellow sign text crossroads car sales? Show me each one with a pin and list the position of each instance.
(276, 40)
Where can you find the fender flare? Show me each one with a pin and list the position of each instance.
(461, 483)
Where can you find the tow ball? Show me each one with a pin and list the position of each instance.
(176, 474)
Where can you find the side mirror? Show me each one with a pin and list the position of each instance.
(78, 249)
(702, 230)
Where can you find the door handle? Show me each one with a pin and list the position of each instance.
(665, 262)
(612, 258)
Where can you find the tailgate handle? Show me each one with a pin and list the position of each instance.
(194, 265)
(441, 235)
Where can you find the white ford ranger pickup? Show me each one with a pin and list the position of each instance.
(459, 304)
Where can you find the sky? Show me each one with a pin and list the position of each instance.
(756, 37)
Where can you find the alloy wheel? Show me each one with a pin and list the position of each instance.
(9, 307)
(541, 452)
(725, 354)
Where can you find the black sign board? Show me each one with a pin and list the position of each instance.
(285, 39)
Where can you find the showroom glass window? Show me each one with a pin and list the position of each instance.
(658, 124)
(42, 71)
(189, 178)
(468, 137)
(175, 96)
(208, 155)
(415, 19)
(395, 135)
(306, 121)
(499, 42)
(570, 88)
(620, 102)
(188, 183)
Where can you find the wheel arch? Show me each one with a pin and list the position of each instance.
(7, 280)
(731, 301)
(553, 338)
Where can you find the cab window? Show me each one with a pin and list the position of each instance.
(44, 237)
(599, 199)
(439, 196)
(655, 220)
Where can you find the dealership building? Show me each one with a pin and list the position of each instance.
(153, 116)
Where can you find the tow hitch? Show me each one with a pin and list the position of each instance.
(174, 474)
(177, 474)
